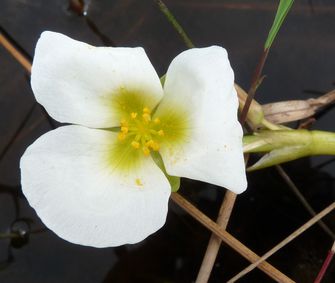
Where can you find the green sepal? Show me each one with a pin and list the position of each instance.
(173, 180)
(279, 156)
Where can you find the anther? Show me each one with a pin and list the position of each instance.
(124, 123)
(146, 117)
(124, 130)
(146, 151)
(121, 136)
(155, 146)
(146, 110)
(138, 182)
(157, 121)
(149, 143)
(152, 144)
(133, 115)
(161, 133)
(135, 144)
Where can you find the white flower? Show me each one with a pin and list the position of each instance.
(94, 183)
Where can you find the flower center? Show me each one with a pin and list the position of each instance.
(143, 132)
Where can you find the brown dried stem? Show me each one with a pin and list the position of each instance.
(229, 239)
(302, 199)
(294, 110)
(15, 53)
(215, 241)
(256, 79)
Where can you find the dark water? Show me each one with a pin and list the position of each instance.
(301, 65)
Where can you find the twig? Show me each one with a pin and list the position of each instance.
(325, 264)
(165, 10)
(302, 199)
(215, 242)
(5, 42)
(291, 237)
(322, 101)
(229, 239)
(18, 53)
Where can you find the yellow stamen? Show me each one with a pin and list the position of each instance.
(146, 110)
(149, 143)
(124, 123)
(144, 132)
(146, 151)
(135, 144)
(155, 146)
(146, 117)
(124, 130)
(161, 133)
(121, 136)
(152, 144)
(157, 121)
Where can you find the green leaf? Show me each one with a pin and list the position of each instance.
(283, 9)
(173, 180)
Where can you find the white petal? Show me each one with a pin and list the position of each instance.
(76, 82)
(202, 82)
(67, 180)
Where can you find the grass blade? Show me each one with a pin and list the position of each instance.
(282, 11)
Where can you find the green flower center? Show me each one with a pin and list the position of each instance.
(143, 132)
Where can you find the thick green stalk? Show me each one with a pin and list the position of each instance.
(286, 145)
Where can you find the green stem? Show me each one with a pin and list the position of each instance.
(268, 125)
(323, 143)
(286, 145)
(315, 142)
(165, 10)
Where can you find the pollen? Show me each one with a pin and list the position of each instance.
(149, 143)
(124, 130)
(124, 123)
(146, 151)
(155, 146)
(133, 115)
(146, 117)
(146, 110)
(135, 144)
(121, 136)
(157, 121)
(138, 182)
(145, 133)
(160, 133)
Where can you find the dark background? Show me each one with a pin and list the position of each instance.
(301, 65)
